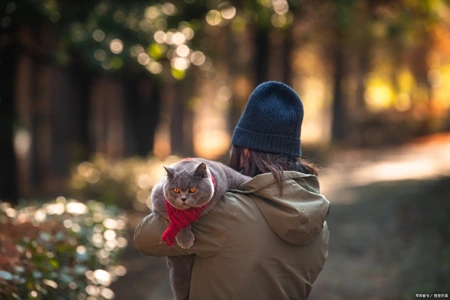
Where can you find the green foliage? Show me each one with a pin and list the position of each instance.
(125, 183)
(113, 37)
(63, 249)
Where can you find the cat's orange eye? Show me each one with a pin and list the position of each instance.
(192, 189)
(176, 190)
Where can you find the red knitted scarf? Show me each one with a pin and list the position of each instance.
(180, 219)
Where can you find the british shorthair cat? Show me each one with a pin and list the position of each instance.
(190, 189)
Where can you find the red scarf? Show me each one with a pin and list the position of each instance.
(180, 219)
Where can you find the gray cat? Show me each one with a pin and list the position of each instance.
(191, 183)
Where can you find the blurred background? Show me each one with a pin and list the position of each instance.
(95, 96)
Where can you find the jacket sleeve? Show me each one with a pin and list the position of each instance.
(208, 238)
(147, 237)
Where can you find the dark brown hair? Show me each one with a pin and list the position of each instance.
(252, 162)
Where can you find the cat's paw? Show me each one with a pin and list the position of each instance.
(185, 239)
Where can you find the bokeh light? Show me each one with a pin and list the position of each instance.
(213, 17)
(227, 10)
(198, 58)
(116, 46)
(98, 35)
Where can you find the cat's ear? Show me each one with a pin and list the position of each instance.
(170, 172)
(201, 171)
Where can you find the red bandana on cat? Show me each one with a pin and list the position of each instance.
(180, 219)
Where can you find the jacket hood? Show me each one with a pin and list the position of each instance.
(299, 214)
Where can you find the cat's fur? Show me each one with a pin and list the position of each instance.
(185, 174)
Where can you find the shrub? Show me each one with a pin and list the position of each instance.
(126, 183)
(63, 249)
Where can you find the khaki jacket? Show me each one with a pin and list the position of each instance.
(254, 244)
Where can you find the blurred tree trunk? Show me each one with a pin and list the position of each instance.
(63, 107)
(142, 111)
(181, 127)
(107, 117)
(339, 121)
(261, 58)
(186, 93)
(338, 109)
(42, 136)
(423, 91)
(364, 45)
(177, 118)
(239, 69)
(359, 113)
(233, 57)
(279, 56)
(8, 59)
(24, 91)
(362, 69)
(81, 144)
(288, 45)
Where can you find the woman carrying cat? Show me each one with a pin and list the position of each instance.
(267, 238)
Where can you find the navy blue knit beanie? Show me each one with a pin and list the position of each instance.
(271, 121)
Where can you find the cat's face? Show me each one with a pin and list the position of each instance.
(188, 184)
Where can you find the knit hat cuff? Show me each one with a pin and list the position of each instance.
(267, 142)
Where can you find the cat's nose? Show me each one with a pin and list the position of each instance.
(183, 198)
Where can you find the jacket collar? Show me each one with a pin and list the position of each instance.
(263, 180)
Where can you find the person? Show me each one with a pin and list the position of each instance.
(268, 239)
